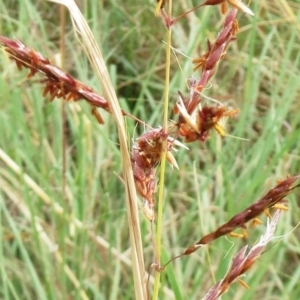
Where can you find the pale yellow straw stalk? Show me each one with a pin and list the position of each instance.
(93, 52)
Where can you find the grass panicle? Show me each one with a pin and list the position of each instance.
(242, 262)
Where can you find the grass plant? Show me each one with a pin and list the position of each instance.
(71, 240)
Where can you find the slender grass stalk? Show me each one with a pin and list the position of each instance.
(95, 56)
(163, 158)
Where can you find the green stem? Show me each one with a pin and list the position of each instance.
(163, 160)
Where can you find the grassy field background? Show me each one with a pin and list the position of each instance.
(75, 244)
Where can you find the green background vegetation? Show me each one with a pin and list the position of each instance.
(216, 180)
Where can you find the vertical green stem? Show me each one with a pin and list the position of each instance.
(163, 159)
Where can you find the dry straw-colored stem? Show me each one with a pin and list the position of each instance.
(94, 54)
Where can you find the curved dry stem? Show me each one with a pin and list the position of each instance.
(94, 54)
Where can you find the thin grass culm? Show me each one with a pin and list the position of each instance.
(163, 159)
(115, 194)
(97, 61)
